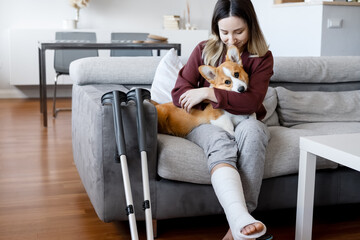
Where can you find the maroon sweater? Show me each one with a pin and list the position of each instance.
(259, 69)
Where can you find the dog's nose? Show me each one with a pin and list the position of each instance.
(241, 89)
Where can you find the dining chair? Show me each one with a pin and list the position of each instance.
(63, 58)
(129, 37)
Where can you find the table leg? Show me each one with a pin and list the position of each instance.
(305, 199)
(43, 97)
(40, 81)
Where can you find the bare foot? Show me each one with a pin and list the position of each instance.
(252, 228)
(228, 236)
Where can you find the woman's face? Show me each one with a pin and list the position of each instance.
(234, 31)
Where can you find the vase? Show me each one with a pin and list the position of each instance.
(69, 24)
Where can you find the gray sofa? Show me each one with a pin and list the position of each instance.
(308, 96)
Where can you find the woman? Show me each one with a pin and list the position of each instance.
(236, 163)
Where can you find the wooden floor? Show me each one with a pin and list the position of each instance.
(41, 196)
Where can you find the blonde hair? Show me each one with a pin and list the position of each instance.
(214, 47)
(213, 51)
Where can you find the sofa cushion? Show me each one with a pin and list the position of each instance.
(331, 127)
(181, 160)
(165, 77)
(188, 162)
(305, 107)
(283, 150)
(282, 155)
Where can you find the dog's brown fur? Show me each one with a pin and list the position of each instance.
(176, 121)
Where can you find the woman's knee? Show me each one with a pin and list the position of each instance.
(252, 129)
(221, 148)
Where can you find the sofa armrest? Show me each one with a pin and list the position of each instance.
(94, 147)
(114, 70)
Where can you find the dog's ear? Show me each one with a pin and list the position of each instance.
(208, 72)
(233, 55)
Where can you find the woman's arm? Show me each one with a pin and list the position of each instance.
(192, 97)
(189, 77)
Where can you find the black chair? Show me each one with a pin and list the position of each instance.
(63, 58)
(129, 38)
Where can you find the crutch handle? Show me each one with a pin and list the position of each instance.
(139, 95)
(119, 97)
(116, 98)
(107, 98)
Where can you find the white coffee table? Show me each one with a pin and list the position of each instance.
(343, 149)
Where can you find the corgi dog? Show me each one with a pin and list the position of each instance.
(230, 76)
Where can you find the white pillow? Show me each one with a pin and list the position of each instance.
(165, 77)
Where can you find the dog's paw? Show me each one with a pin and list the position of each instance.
(229, 129)
(224, 121)
(231, 132)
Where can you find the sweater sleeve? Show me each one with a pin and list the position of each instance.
(189, 76)
(259, 69)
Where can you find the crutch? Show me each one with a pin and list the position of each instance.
(138, 95)
(116, 98)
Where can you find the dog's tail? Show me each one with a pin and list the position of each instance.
(153, 102)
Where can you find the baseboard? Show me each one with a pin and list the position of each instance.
(33, 92)
(11, 93)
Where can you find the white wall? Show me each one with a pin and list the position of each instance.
(294, 30)
(338, 41)
(280, 25)
(126, 15)
(300, 29)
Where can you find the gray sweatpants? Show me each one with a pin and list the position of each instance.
(245, 151)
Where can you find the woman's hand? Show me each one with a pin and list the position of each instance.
(195, 96)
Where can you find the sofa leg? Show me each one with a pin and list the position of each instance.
(154, 223)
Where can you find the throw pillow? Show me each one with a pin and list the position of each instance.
(307, 107)
(165, 77)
